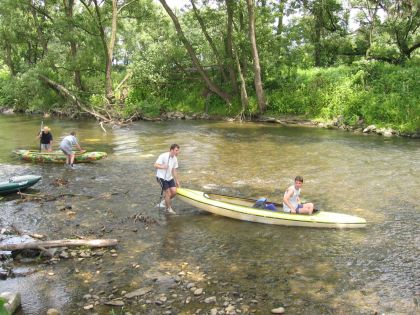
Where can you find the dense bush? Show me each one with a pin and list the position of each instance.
(379, 93)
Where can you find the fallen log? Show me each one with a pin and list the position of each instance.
(59, 243)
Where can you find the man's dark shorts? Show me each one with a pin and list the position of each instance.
(166, 184)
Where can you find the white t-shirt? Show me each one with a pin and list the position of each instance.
(68, 142)
(172, 161)
(293, 199)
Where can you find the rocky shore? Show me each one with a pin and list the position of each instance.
(166, 290)
(337, 123)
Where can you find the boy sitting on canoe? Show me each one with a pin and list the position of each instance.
(291, 199)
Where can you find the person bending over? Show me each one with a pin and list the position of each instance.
(66, 146)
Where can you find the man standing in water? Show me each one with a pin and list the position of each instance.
(66, 146)
(46, 139)
(291, 199)
(167, 176)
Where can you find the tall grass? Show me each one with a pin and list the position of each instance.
(378, 93)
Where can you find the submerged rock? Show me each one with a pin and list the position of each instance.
(370, 128)
(278, 310)
(138, 292)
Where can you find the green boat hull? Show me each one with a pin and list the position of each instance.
(18, 183)
(57, 156)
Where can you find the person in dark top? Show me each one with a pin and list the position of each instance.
(46, 139)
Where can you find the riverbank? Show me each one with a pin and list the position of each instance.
(287, 120)
(337, 124)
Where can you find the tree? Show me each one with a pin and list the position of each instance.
(209, 83)
(403, 23)
(255, 58)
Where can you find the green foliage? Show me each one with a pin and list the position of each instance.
(26, 92)
(3, 310)
(379, 93)
(152, 72)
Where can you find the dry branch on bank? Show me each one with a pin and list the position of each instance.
(46, 197)
(104, 114)
(22, 232)
(59, 243)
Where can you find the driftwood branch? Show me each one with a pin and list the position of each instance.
(22, 232)
(101, 114)
(60, 243)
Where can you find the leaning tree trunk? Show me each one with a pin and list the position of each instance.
(209, 40)
(210, 84)
(65, 93)
(256, 60)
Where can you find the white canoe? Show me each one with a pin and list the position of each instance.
(241, 209)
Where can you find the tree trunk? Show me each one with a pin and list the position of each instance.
(229, 45)
(109, 89)
(39, 29)
(209, 40)
(371, 18)
(108, 50)
(9, 59)
(59, 243)
(68, 6)
(244, 94)
(69, 96)
(317, 14)
(256, 60)
(280, 17)
(210, 84)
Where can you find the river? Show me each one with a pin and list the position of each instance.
(251, 267)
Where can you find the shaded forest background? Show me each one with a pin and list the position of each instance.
(120, 60)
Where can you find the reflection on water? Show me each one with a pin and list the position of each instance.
(311, 271)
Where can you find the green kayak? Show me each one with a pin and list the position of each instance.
(57, 156)
(18, 183)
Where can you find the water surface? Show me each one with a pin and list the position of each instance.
(309, 271)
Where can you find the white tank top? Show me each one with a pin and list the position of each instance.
(293, 199)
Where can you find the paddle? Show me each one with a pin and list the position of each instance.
(40, 135)
(277, 204)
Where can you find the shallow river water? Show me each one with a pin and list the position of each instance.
(251, 267)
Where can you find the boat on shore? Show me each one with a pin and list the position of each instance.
(58, 156)
(18, 183)
(242, 209)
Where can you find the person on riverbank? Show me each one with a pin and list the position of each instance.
(291, 199)
(167, 176)
(46, 139)
(66, 145)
